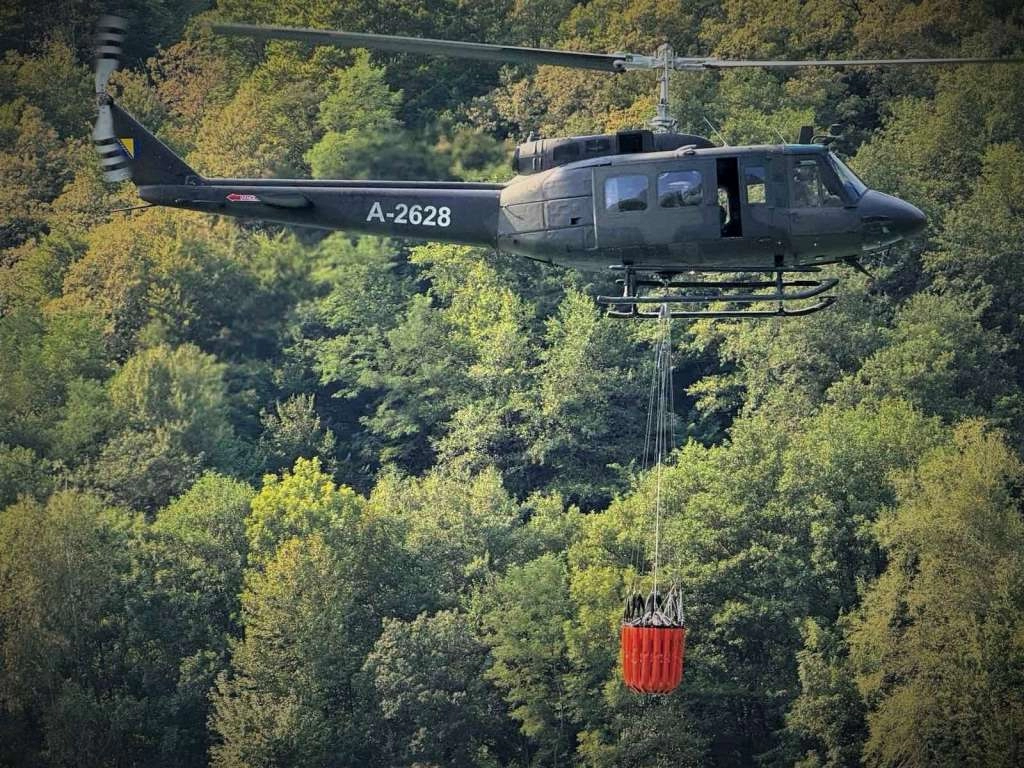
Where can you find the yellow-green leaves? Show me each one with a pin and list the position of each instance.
(303, 502)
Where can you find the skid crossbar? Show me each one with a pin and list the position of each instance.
(782, 292)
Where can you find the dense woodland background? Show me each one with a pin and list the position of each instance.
(273, 497)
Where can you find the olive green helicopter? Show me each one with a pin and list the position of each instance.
(664, 209)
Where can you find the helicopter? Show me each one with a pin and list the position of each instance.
(665, 210)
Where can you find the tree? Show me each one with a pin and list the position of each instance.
(179, 613)
(363, 136)
(172, 409)
(32, 172)
(177, 278)
(591, 391)
(933, 353)
(47, 355)
(303, 501)
(523, 616)
(457, 527)
(267, 126)
(936, 645)
(21, 472)
(291, 694)
(294, 431)
(69, 681)
(200, 550)
(828, 718)
(420, 376)
(434, 699)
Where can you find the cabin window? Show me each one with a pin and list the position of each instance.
(626, 193)
(677, 189)
(753, 179)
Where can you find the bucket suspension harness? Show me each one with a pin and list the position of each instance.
(653, 634)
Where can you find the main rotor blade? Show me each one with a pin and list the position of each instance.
(608, 62)
(700, 64)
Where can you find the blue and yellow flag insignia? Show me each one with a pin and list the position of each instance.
(128, 145)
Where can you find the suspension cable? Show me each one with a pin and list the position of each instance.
(659, 437)
(664, 430)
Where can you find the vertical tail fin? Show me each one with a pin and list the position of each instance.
(149, 160)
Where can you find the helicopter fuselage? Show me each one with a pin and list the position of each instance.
(712, 209)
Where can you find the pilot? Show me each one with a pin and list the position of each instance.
(805, 186)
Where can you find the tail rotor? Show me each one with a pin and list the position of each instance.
(114, 160)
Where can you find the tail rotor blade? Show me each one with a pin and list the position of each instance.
(114, 161)
(110, 32)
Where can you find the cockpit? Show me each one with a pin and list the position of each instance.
(824, 181)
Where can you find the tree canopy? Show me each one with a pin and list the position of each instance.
(273, 497)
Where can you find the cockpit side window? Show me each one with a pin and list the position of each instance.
(810, 188)
(855, 188)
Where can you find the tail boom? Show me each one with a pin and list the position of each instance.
(455, 212)
(429, 211)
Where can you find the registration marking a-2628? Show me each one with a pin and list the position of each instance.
(417, 215)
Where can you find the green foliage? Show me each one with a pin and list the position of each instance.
(523, 617)
(63, 565)
(589, 414)
(933, 353)
(266, 126)
(293, 431)
(199, 539)
(170, 405)
(360, 100)
(437, 707)
(33, 167)
(421, 373)
(288, 697)
(45, 354)
(457, 527)
(302, 502)
(828, 718)
(54, 81)
(936, 644)
(21, 472)
(363, 137)
(431, 571)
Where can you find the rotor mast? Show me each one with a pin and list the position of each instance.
(663, 122)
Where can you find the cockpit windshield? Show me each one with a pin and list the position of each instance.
(853, 185)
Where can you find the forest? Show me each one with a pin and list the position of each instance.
(282, 497)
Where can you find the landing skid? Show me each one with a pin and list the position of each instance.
(779, 291)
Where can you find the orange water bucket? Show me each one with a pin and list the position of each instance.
(652, 657)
